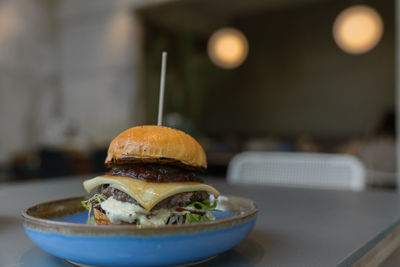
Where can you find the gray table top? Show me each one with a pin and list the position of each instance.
(295, 227)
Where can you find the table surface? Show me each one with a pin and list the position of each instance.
(295, 227)
(393, 260)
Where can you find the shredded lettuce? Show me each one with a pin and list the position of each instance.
(94, 201)
(204, 206)
(195, 218)
(90, 203)
(90, 220)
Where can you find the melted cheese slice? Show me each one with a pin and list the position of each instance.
(147, 194)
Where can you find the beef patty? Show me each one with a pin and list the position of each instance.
(178, 200)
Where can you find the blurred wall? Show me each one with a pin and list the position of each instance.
(98, 55)
(67, 73)
(297, 81)
(29, 84)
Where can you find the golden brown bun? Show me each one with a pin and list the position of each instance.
(100, 218)
(153, 144)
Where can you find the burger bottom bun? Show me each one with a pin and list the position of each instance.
(100, 218)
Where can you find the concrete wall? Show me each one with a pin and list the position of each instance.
(28, 77)
(67, 73)
(97, 67)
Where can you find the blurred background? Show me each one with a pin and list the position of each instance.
(263, 75)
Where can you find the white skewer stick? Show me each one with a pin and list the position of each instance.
(162, 86)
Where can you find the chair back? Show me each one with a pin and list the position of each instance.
(313, 170)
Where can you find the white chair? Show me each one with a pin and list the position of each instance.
(312, 170)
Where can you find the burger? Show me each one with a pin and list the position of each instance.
(152, 180)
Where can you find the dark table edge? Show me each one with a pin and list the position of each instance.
(376, 250)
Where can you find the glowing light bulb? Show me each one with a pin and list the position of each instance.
(228, 48)
(358, 29)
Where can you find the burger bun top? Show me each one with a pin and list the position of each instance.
(152, 143)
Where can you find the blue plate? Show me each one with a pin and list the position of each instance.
(58, 227)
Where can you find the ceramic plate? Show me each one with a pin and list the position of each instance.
(58, 227)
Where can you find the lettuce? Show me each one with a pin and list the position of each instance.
(196, 218)
(92, 202)
(203, 206)
(90, 220)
